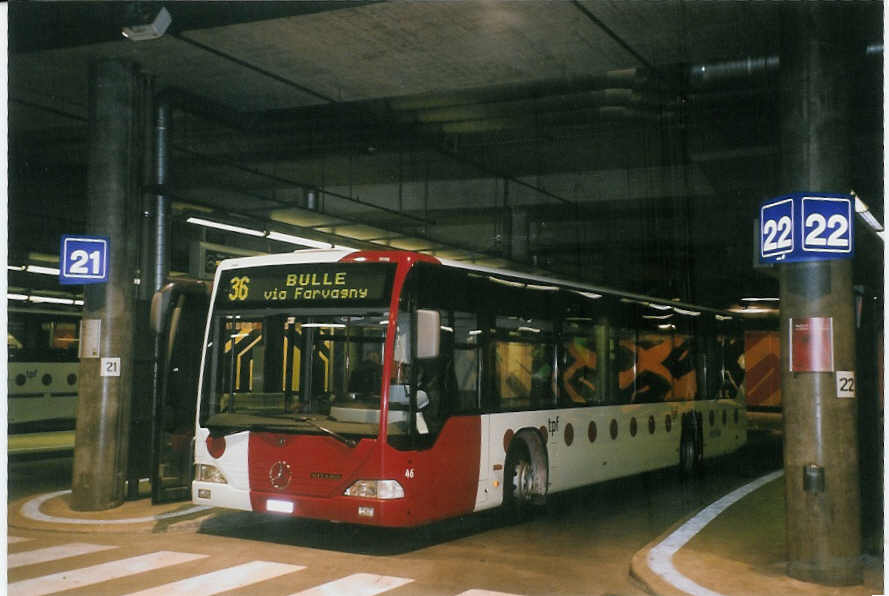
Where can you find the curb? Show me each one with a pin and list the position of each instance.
(51, 512)
(649, 580)
(677, 536)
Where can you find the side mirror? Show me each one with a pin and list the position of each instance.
(160, 304)
(166, 298)
(428, 333)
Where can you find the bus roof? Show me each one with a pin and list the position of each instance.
(331, 255)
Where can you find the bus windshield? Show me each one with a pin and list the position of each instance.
(291, 373)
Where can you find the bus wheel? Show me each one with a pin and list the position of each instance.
(518, 482)
(689, 457)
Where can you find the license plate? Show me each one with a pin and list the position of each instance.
(279, 506)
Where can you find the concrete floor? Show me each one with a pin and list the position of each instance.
(581, 544)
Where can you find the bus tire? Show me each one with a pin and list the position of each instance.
(689, 447)
(518, 482)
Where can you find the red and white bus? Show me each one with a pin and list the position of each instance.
(395, 389)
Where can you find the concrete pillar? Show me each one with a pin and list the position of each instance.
(103, 410)
(823, 525)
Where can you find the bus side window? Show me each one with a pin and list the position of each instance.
(581, 379)
(624, 355)
(467, 348)
(523, 363)
(681, 364)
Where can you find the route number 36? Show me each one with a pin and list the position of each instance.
(240, 288)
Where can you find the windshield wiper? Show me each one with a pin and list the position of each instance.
(334, 434)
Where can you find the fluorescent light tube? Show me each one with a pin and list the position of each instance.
(297, 240)
(226, 227)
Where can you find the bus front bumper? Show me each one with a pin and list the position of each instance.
(346, 509)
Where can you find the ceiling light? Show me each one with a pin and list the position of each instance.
(35, 299)
(149, 27)
(506, 282)
(297, 240)
(751, 299)
(34, 269)
(657, 306)
(226, 227)
(50, 300)
(278, 236)
(43, 270)
(864, 213)
(753, 310)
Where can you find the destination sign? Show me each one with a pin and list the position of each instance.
(307, 286)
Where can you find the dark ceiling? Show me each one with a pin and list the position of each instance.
(628, 144)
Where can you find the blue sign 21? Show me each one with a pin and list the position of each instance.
(806, 227)
(83, 259)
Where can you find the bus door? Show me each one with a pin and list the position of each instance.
(178, 317)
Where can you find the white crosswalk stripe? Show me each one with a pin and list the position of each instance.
(475, 592)
(359, 584)
(223, 580)
(52, 553)
(214, 582)
(94, 574)
(15, 539)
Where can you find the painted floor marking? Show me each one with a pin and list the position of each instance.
(87, 576)
(31, 510)
(660, 558)
(223, 580)
(16, 539)
(358, 584)
(54, 553)
(476, 592)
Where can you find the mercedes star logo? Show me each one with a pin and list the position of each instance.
(279, 474)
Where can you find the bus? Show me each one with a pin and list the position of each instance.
(395, 389)
(42, 369)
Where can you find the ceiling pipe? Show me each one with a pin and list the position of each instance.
(554, 103)
(532, 121)
(627, 78)
(206, 108)
(716, 75)
(162, 122)
(241, 122)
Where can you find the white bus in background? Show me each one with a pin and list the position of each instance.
(43, 368)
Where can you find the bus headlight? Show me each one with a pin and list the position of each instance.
(207, 473)
(375, 489)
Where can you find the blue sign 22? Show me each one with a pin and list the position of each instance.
(806, 227)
